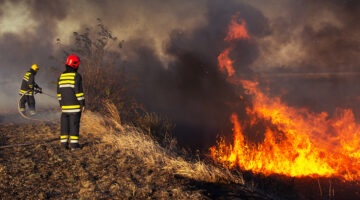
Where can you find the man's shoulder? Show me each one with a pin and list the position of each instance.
(68, 73)
(78, 74)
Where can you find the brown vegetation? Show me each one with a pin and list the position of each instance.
(127, 153)
(116, 161)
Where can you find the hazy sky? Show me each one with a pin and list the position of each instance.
(174, 45)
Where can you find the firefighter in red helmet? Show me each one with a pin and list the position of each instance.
(28, 89)
(72, 102)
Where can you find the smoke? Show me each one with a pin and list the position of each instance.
(311, 53)
(315, 35)
(172, 48)
(27, 31)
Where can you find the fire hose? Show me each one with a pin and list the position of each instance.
(28, 144)
(29, 118)
(26, 117)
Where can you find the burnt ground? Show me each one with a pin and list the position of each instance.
(33, 166)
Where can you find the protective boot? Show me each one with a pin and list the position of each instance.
(74, 142)
(23, 111)
(64, 141)
(32, 112)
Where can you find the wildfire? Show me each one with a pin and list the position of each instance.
(237, 31)
(297, 142)
(225, 63)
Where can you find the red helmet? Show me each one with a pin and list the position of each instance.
(73, 61)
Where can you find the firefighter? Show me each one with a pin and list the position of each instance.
(72, 102)
(27, 90)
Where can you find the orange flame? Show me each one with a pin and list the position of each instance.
(303, 143)
(297, 142)
(236, 31)
(225, 63)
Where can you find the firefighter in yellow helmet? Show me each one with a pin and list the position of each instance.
(27, 90)
(72, 102)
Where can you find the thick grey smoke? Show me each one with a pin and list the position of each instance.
(312, 52)
(172, 48)
(27, 31)
(315, 35)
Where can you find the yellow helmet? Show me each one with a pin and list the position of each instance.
(34, 67)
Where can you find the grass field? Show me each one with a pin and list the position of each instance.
(119, 161)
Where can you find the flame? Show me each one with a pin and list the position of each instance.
(302, 144)
(225, 63)
(237, 31)
(297, 142)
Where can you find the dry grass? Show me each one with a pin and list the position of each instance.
(137, 144)
(117, 161)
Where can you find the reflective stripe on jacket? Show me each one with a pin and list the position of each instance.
(27, 84)
(70, 92)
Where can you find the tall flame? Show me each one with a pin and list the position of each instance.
(237, 31)
(297, 142)
(225, 63)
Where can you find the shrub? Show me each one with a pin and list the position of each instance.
(105, 80)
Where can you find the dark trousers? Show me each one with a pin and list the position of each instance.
(70, 126)
(30, 100)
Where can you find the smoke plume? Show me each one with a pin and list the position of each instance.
(172, 48)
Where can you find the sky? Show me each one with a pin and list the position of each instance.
(172, 47)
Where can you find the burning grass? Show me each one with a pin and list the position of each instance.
(119, 161)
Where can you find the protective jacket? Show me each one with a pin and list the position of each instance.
(28, 83)
(70, 91)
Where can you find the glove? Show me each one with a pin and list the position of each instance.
(38, 90)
